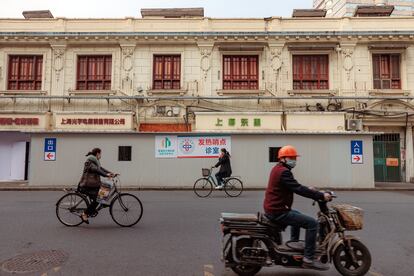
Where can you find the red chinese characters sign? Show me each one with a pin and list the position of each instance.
(92, 121)
(19, 121)
(211, 142)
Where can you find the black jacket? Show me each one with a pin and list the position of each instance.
(225, 166)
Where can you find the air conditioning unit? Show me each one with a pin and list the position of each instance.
(161, 109)
(176, 110)
(354, 124)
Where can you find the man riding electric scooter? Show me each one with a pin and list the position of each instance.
(278, 202)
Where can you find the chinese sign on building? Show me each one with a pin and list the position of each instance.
(50, 149)
(22, 121)
(19, 121)
(94, 121)
(357, 156)
(259, 121)
(165, 146)
(191, 146)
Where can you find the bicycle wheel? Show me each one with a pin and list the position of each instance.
(203, 187)
(126, 210)
(70, 207)
(233, 187)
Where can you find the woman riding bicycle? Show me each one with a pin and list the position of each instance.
(91, 180)
(225, 167)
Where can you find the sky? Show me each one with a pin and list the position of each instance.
(131, 8)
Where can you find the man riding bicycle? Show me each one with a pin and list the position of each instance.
(279, 199)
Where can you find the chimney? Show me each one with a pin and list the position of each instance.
(309, 13)
(37, 14)
(173, 13)
(373, 10)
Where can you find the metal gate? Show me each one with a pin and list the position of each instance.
(387, 158)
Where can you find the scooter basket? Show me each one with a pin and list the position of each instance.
(351, 217)
(205, 172)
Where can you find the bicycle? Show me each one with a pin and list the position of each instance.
(125, 209)
(203, 187)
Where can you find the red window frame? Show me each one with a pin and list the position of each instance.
(166, 72)
(240, 72)
(310, 72)
(386, 71)
(94, 72)
(25, 72)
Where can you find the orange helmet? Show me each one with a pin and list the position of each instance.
(287, 151)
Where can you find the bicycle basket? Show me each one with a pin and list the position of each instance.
(205, 172)
(351, 217)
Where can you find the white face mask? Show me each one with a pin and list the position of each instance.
(291, 163)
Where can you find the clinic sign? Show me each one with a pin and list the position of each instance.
(50, 149)
(357, 156)
(191, 146)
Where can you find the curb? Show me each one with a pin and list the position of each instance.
(40, 189)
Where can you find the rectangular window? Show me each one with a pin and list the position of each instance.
(25, 72)
(240, 72)
(167, 72)
(310, 72)
(94, 73)
(124, 153)
(387, 73)
(273, 152)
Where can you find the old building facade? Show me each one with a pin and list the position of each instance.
(342, 8)
(157, 74)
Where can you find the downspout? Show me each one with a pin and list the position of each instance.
(405, 145)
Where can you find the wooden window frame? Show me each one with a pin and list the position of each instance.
(104, 81)
(171, 81)
(379, 83)
(232, 83)
(309, 81)
(37, 76)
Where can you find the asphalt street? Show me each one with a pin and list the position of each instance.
(179, 233)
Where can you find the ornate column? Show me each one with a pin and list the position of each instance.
(127, 66)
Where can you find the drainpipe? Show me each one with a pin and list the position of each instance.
(409, 151)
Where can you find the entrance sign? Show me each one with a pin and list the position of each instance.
(357, 156)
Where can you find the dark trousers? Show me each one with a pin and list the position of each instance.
(92, 193)
(220, 176)
(297, 220)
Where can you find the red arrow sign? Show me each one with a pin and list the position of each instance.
(49, 155)
(357, 158)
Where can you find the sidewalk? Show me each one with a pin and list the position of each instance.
(23, 186)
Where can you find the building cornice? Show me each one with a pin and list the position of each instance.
(206, 37)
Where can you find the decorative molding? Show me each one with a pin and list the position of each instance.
(276, 59)
(127, 64)
(348, 63)
(205, 60)
(58, 60)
